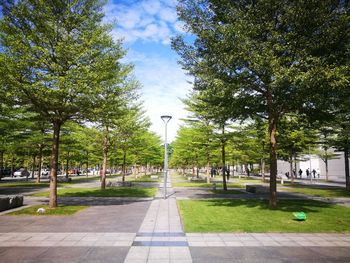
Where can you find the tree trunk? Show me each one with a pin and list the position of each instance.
(295, 165)
(291, 168)
(12, 166)
(67, 165)
(326, 163)
(87, 164)
(105, 155)
(40, 163)
(347, 177)
(124, 166)
(273, 161)
(263, 162)
(208, 173)
(33, 167)
(54, 164)
(1, 164)
(223, 158)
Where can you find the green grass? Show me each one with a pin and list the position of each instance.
(254, 216)
(143, 179)
(206, 185)
(59, 211)
(98, 192)
(321, 192)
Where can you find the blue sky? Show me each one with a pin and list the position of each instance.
(147, 26)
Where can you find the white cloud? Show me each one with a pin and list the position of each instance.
(152, 7)
(147, 20)
(168, 14)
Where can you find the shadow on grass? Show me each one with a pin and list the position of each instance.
(282, 205)
(108, 192)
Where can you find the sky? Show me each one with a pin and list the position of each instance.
(146, 27)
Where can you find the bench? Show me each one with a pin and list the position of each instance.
(11, 201)
(119, 184)
(257, 188)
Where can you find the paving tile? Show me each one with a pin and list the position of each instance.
(197, 244)
(342, 243)
(270, 244)
(84, 244)
(163, 260)
(215, 243)
(66, 243)
(288, 244)
(195, 239)
(37, 238)
(233, 244)
(251, 243)
(306, 243)
(135, 260)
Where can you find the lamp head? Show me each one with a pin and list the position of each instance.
(166, 118)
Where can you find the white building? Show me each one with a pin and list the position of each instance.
(336, 167)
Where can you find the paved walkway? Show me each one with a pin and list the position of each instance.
(160, 237)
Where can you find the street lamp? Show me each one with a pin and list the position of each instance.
(166, 119)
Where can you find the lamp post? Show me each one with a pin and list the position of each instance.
(166, 119)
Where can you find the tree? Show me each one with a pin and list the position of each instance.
(269, 58)
(132, 125)
(56, 56)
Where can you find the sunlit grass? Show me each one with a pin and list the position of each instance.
(254, 216)
(321, 192)
(206, 185)
(61, 210)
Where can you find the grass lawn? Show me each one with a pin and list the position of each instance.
(254, 216)
(143, 178)
(322, 192)
(60, 210)
(205, 185)
(108, 192)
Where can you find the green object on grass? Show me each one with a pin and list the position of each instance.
(300, 216)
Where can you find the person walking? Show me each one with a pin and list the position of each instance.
(300, 172)
(307, 172)
(314, 173)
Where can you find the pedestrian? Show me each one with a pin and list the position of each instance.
(300, 172)
(307, 172)
(314, 173)
(287, 174)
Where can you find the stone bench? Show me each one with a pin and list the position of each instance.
(119, 184)
(257, 189)
(11, 201)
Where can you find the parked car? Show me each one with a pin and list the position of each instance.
(45, 172)
(21, 172)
